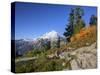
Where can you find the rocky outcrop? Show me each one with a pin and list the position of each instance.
(81, 58)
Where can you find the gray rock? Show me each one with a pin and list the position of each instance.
(82, 58)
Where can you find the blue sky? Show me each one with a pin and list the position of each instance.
(34, 19)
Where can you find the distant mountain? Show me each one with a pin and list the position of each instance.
(53, 35)
(22, 45)
(51, 39)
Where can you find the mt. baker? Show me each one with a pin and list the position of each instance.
(23, 45)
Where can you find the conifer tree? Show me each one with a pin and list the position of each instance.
(93, 20)
(70, 27)
(79, 23)
(75, 23)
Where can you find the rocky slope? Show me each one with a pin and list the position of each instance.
(82, 58)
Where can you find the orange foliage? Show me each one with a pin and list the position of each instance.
(84, 33)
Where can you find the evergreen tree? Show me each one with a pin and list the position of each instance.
(75, 23)
(79, 23)
(70, 27)
(58, 42)
(93, 20)
(46, 44)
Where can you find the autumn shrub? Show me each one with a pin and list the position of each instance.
(86, 35)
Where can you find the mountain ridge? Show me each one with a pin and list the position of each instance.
(51, 39)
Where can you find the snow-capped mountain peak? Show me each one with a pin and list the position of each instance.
(50, 35)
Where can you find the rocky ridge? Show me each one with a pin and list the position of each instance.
(81, 58)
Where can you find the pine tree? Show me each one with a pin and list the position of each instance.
(70, 27)
(93, 20)
(79, 23)
(75, 23)
(58, 42)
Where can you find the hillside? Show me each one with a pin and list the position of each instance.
(79, 53)
(85, 37)
(83, 58)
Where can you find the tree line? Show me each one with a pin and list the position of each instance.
(76, 22)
